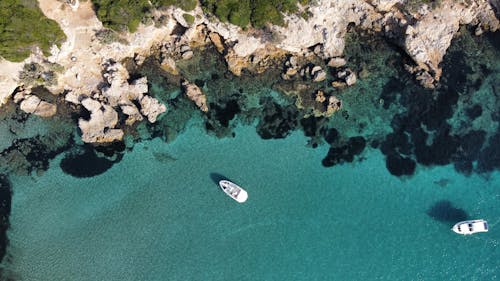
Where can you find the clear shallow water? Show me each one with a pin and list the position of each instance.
(146, 219)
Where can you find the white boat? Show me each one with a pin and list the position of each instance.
(234, 191)
(470, 227)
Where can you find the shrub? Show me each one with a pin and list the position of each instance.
(23, 26)
(186, 5)
(256, 12)
(121, 15)
(188, 18)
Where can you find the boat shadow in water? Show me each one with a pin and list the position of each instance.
(216, 178)
(444, 211)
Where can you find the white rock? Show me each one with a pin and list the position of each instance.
(33, 104)
(101, 126)
(336, 62)
(319, 76)
(350, 79)
(151, 108)
(195, 94)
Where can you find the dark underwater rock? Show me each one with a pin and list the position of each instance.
(86, 163)
(311, 125)
(330, 135)
(344, 153)
(445, 212)
(225, 112)
(489, 157)
(391, 90)
(277, 121)
(400, 166)
(396, 143)
(5, 207)
(474, 111)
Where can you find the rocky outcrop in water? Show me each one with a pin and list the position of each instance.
(195, 94)
(87, 68)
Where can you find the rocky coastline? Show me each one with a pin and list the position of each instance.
(90, 73)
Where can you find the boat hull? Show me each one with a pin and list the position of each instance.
(470, 227)
(234, 191)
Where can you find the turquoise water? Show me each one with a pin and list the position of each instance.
(159, 215)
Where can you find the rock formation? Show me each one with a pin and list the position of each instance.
(195, 94)
(425, 34)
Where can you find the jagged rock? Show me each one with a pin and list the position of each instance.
(336, 62)
(101, 126)
(195, 94)
(385, 5)
(350, 79)
(292, 61)
(427, 40)
(187, 55)
(151, 108)
(235, 63)
(318, 74)
(339, 84)
(168, 64)
(132, 112)
(217, 41)
(291, 72)
(33, 104)
(334, 104)
(320, 97)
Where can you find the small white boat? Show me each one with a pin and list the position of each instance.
(470, 227)
(234, 191)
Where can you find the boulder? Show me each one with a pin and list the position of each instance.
(318, 75)
(217, 41)
(336, 62)
(33, 104)
(334, 104)
(350, 79)
(151, 108)
(100, 128)
(195, 94)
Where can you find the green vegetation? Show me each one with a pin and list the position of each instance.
(256, 12)
(186, 5)
(188, 18)
(23, 26)
(122, 15)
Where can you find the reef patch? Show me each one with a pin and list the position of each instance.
(84, 162)
(5, 206)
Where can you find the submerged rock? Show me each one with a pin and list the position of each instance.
(5, 207)
(85, 163)
(195, 94)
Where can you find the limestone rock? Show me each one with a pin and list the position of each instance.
(33, 104)
(132, 112)
(336, 62)
(318, 74)
(334, 104)
(151, 108)
(101, 126)
(385, 5)
(236, 63)
(350, 79)
(320, 97)
(217, 41)
(195, 94)
(168, 64)
(428, 39)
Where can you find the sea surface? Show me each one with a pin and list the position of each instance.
(164, 217)
(367, 194)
